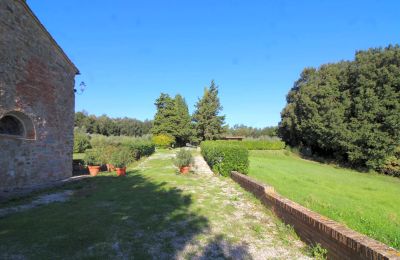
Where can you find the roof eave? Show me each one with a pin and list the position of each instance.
(55, 44)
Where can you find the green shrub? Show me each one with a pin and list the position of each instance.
(272, 144)
(93, 157)
(224, 157)
(81, 141)
(391, 165)
(163, 140)
(122, 157)
(137, 147)
(264, 144)
(142, 148)
(107, 152)
(183, 158)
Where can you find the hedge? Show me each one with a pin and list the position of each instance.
(138, 147)
(224, 157)
(142, 148)
(259, 144)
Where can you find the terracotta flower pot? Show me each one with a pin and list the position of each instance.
(94, 170)
(110, 167)
(184, 169)
(121, 171)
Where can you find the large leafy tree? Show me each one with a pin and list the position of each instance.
(209, 123)
(348, 110)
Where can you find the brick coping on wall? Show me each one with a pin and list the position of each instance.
(340, 241)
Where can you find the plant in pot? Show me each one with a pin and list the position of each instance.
(183, 160)
(107, 153)
(120, 159)
(93, 160)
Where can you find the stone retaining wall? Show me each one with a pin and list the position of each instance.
(340, 241)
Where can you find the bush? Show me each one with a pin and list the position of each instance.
(263, 144)
(391, 165)
(107, 152)
(142, 148)
(93, 157)
(121, 158)
(163, 140)
(224, 157)
(138, 147)
(183, 158)
(81, 141)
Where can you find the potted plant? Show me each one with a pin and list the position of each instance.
(183, 160)
(93, 160)
(107, 153)
(120, 159)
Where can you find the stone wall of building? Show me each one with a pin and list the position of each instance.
(36, 82)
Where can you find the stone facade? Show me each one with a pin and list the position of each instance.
(37, 88)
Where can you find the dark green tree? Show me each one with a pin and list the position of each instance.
(184, 129)
(163, 123)
(349, 110)
(209, 124)
(112, 126)
(173, 118)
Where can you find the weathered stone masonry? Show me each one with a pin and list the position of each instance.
(36, 88)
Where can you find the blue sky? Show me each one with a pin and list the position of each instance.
(130, 51)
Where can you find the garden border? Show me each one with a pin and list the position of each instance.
(340, 241)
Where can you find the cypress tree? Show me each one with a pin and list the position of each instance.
(208, 123)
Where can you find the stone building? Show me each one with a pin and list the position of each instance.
(36, 101)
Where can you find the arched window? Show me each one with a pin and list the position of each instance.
(17, 124)
(10, 125)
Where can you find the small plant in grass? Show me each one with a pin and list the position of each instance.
(183, 160)
(120, 159)
(93, 160)
(318, 252)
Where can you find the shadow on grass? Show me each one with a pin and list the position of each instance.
(218, 248)
(108, 217)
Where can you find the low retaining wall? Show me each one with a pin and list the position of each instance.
(340, 241)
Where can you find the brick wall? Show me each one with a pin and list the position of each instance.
(340, 241)
(36, 79)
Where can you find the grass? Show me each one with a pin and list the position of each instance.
(152, 213)
(365, 202)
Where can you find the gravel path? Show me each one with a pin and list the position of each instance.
(201, 167)
(38, 201)
(239, 226)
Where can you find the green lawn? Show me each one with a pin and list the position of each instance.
(152, 213)
(366, 202)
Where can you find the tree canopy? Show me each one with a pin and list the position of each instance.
(173, 118)
(348, 110)
(105, 125)
(209, 123)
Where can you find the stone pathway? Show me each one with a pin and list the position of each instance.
(38, 201)
(238, 226)
(201, 166)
